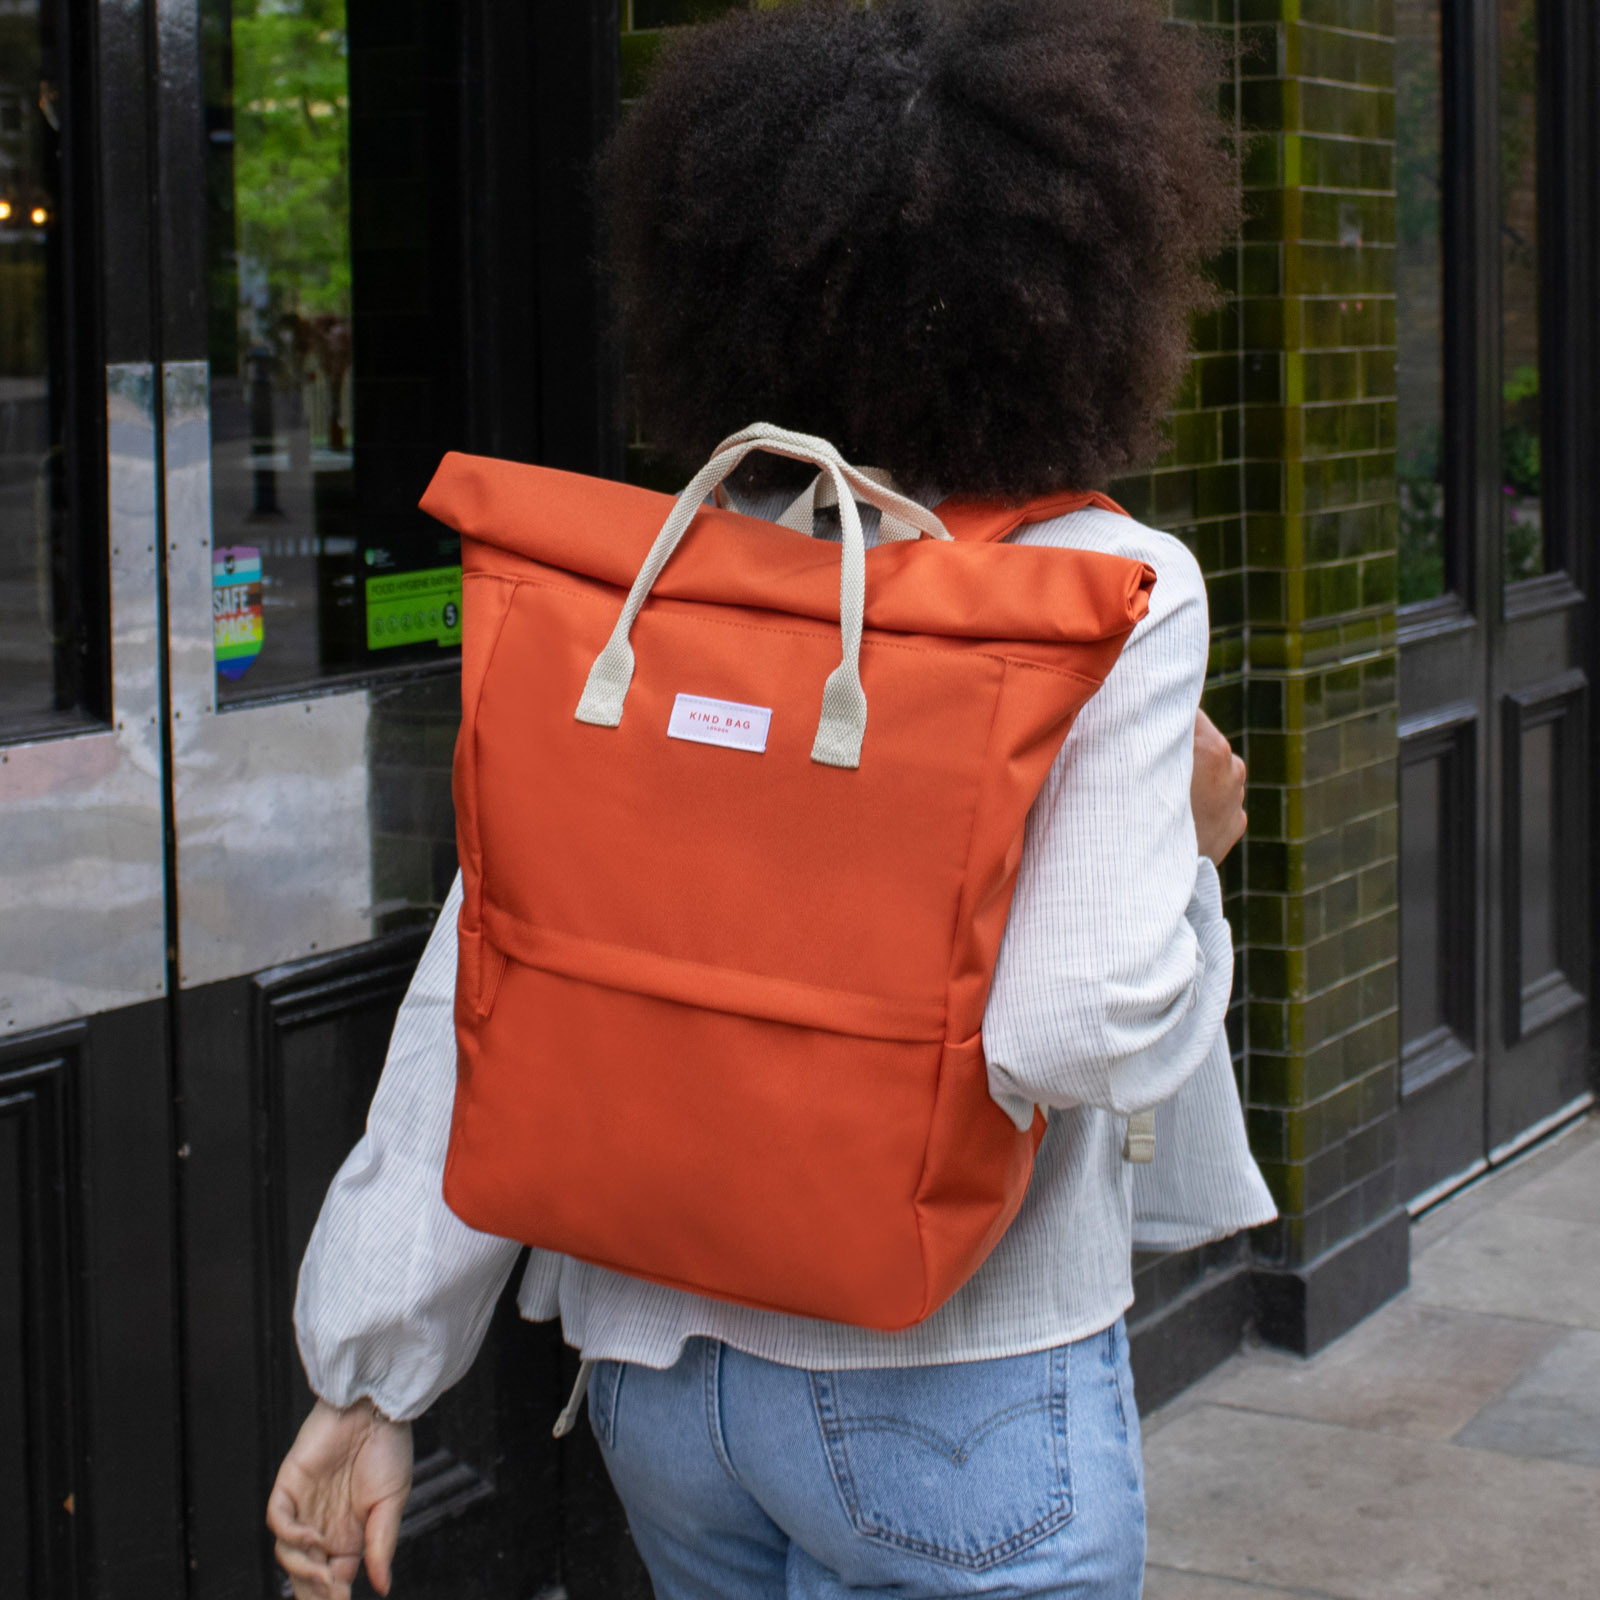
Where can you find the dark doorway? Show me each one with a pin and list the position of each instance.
(1496, 533)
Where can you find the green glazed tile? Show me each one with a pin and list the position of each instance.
(1261, 164)
(1263, 916)
(1196, 437)
(1269, 104)
(1267, 1129)
(1332, 375)
(1379, 682)
(1174, 497)
(1265, 433)
(1261, 269)
(1218, 491)
(1357, 113)
(1265, 597)
(1379, 581)
(1232, 434)
(1260, 50)
(1270, 973)
(1225, 597)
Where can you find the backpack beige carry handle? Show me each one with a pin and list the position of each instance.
(818, 495)
(843, 722)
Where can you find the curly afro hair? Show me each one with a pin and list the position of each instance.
(960, 238)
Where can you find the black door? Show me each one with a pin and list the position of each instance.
(376, 245)
(1495, 493)
(260, 264)
(89, 1456)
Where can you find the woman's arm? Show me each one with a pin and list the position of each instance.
(395, 1290)
(395, 1297)
(1117, 965)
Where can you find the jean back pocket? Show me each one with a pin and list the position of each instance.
(966, 1464)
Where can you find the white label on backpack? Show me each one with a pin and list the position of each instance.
(724, 722)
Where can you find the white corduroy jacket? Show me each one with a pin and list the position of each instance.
(1109, 998)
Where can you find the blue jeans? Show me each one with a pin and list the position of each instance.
(751, 1481)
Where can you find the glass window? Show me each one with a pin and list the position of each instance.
(1419, 285)
(1521, 476)
(52, 623)
(326, 351)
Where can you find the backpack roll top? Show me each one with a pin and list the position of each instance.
(720, 1000)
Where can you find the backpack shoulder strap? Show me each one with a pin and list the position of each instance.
(985, 521)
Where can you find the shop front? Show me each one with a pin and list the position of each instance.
(263, 262)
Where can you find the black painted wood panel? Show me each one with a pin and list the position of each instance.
(277, 1072)
(89, 1469)
(37, 1429)
(1441, 1056)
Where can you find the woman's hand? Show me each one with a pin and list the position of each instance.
(1216, 792)
(339, 1496)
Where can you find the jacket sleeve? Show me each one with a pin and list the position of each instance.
(395, 1291)
(1116, 966)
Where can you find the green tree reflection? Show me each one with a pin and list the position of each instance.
(291, 172)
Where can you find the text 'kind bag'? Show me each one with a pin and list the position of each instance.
(739, 816)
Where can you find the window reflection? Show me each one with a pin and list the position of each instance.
(320, 564)
(1521, 474)
(48, 653)
(1419, 285)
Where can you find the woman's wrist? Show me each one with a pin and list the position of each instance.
(362, 1407)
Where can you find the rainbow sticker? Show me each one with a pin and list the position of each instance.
(236, 607)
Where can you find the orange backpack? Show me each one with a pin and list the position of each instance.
(726, 938)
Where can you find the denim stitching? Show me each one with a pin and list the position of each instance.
(827, 1424)
(834, 1431)
(1127, 1399)
(954, 1452)
(1061, 1431)
(604, 1382)
(1114, 1367)
(713, 1387)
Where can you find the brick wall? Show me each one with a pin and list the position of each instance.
(1280, 476)
(1321, 911)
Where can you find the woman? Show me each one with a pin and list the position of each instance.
(962, 239)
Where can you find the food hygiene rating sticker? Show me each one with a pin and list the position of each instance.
(414, 608)
(236, 607)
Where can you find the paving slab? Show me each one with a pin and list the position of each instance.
(1552, 1410)
(1570, 1190)
(1515, 1263)
(1495, 1191)
(1167, 1583)
(1420, 1370)
(1283, 1503)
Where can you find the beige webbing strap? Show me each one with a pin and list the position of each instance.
(1139, 1143)
(819, 494)
(843, 723)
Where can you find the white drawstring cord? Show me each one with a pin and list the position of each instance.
(569, 1412)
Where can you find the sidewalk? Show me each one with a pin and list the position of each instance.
(1449, 1447)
